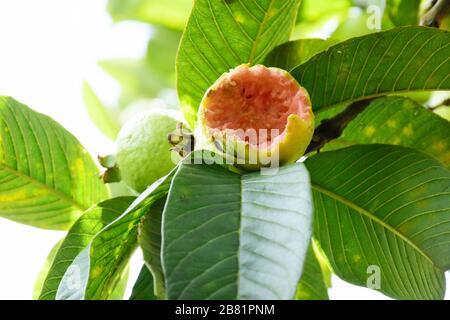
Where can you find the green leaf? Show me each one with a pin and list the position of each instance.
(398, 121)
(443, 112)
(223, 34)
(386, 207)
(354, 25)
(148, 76)
(314, 17)
(47, 178)
(323, 262)
(97, 268)
(100, 115)
(161, 53)
(136, 78)
(293, 53)
(312, 284)
(403, 12)
(39, 284)
(143, 287)
(150, 242)
(79, 236)
(119, 288)
(231, 236)
(311, 10)
(172, 14)
(401, 59)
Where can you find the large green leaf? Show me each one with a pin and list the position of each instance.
(171, 14)
(312, 284)
(398, 121)
(401, 59)
(231, 236)
(293, 53)
(100, 264)
(150, 242)
(47, 178)
(79, 236)
(143, 287)
(386, 207)
(223, 34)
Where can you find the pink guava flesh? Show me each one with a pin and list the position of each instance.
(255, 98)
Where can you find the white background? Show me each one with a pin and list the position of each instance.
(47, 48)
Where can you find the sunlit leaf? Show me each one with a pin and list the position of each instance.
(79, 236)
(136, 78)
(172, 14)
(161, 53)
(47, 178)
(150, 242)
(38, 285)
(103, 118)
(443, 112)
(316, 17)
(312, 285)
(143, 287)
(356, 23)
(97, 268)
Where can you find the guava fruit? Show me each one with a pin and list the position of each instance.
(143, 151)
(258, 111)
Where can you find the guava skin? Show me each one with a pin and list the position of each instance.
(275, 100)
(143, 151)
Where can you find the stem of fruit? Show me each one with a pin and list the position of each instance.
(331, 129)
(182, 140)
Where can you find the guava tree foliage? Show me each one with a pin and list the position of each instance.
(371, 202)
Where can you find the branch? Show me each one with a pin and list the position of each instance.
(434, 16)
(331, 129)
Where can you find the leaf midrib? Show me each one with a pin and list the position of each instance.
(42, 185)
(371, 216)
(260, 31)
(238, 254)
(326, 107)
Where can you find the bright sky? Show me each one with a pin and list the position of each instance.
(48, 47)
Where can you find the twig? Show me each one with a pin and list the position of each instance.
(331, 129)
(434, 16)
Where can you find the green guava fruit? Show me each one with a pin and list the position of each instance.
(143, 151)
(254, 111)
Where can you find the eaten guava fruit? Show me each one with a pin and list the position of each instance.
(143, 151)
(256, 113)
